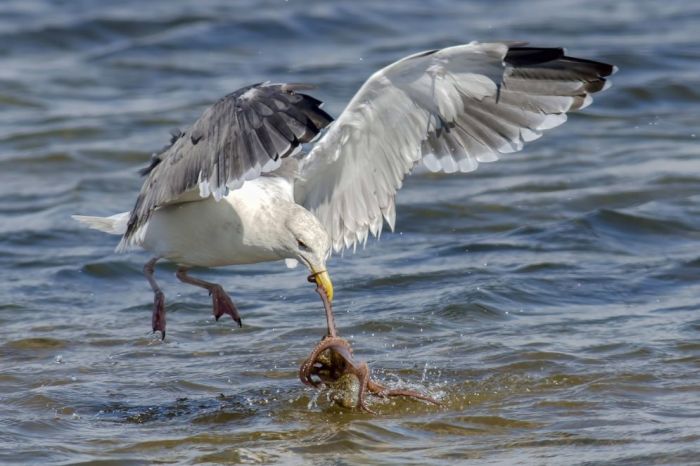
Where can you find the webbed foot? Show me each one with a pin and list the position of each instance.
(222, 304)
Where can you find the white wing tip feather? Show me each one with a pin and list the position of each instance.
(291, 263)
(588, 100)
(552, 121)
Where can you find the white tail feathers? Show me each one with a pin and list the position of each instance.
(114, 225)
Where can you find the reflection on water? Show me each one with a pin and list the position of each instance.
(549, 300)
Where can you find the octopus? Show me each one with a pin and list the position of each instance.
(332, 364)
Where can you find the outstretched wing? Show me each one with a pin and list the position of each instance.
(450, 109)
(241, 136)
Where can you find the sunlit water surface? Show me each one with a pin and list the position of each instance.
(550, 300)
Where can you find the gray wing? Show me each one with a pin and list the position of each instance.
(449, 109)
(241, 136)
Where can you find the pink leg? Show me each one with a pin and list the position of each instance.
(222, 304)
(158, 318)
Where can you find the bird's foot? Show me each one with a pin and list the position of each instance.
(331, 363)
(222, 304)
(158, 318)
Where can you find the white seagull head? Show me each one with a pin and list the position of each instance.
(307, 241)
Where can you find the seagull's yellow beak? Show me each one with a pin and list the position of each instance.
(322, 278)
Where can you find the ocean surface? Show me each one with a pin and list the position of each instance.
(550, 300)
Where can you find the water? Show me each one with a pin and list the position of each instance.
(550, 300)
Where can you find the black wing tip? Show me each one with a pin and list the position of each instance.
(603, 69)
(521, 56)
(319, 116)
(316, 119)
(308, 104)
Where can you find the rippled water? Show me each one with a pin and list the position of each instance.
(550, 300)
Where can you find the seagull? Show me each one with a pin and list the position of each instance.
(236, 187)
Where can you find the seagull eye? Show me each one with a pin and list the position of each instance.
(302, 245)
